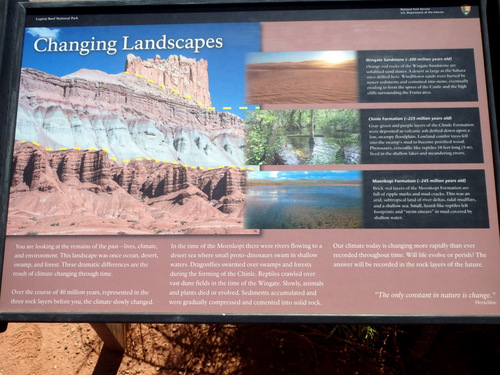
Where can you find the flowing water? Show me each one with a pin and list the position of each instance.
(299, 151)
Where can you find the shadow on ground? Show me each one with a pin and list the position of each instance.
(315, 349)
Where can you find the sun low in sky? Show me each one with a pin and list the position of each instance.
(336, 57)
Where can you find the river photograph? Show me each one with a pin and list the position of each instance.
(303, 137)
(303, 200)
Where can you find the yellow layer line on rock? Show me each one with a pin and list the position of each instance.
(201, 104)
(140, 159)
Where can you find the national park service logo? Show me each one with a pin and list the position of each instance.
(466, 9)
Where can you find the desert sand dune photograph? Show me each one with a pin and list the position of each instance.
(301, 78)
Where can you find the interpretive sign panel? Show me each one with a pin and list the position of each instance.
(269, 161)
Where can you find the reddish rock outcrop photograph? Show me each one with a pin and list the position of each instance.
(77, 192)
(108, 154)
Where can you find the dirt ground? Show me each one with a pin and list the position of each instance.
(168, 349)
(70, 348)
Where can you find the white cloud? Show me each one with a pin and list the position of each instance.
(273, 174)
(43, 32)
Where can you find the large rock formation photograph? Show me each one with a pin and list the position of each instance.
(81, 192)
(130, 114)
(139, 152)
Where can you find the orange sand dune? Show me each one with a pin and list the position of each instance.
(301, 83)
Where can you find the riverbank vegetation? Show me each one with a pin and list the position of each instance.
(303, 136)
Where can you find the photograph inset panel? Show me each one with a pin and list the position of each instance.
(304, 200)
(301, 77)
(300, 137)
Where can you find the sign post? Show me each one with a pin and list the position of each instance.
(114, 335)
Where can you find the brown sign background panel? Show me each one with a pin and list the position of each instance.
(299, 274)
(437, 275)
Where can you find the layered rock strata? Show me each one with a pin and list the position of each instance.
(188, 76)
(129, 116)
(156, 197)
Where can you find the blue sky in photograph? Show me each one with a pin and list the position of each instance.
(304, 175)
(226, 65)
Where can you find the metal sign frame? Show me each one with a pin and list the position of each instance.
(12, 24)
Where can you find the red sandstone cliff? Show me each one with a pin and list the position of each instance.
(188, 76)
(84, 192)
(130, 116)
